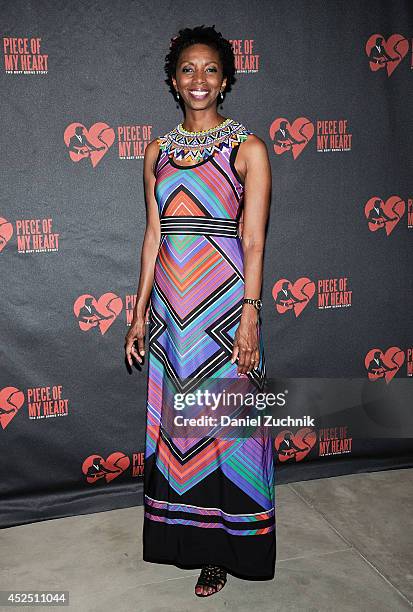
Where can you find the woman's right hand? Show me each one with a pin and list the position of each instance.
(135, 334)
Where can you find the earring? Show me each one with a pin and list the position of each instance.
(222, 97)
(177, 98)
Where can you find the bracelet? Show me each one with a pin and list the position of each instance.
(256, 303)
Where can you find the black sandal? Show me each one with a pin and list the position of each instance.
(211, 576)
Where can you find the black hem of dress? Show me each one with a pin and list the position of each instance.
(187, 547)
(189, 566)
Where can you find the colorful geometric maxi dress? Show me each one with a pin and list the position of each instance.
(207, 499)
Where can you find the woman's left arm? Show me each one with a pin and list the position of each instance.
(257, 194)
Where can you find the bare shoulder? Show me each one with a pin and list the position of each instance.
(254, 146)
(152, 148)
(253, 151)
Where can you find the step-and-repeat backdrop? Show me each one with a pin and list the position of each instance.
(328, 88)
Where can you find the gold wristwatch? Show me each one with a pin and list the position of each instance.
(256, 303)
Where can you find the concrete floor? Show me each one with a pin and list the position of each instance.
(343, 543)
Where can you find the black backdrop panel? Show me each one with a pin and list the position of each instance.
(327, 86)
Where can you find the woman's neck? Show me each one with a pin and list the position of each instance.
(200, 124)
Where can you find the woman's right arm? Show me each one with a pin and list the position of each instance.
(149, 253)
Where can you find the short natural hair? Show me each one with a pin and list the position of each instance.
(205, 35)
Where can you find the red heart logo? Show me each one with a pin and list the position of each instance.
(93, 143)
(381, 365)
(97, 313)
(11, 400)
(296, 445)
(386, 54)
(96, 468)
(384, 214)
(293, 296)
(291, 137)
(6, 232)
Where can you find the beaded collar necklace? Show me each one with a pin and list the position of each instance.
(197, 146)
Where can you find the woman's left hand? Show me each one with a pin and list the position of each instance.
(246, 343)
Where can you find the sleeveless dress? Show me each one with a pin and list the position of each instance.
(208, 498)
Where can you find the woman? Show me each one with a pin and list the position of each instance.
(209, 500)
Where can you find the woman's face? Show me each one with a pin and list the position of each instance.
(199, 76)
